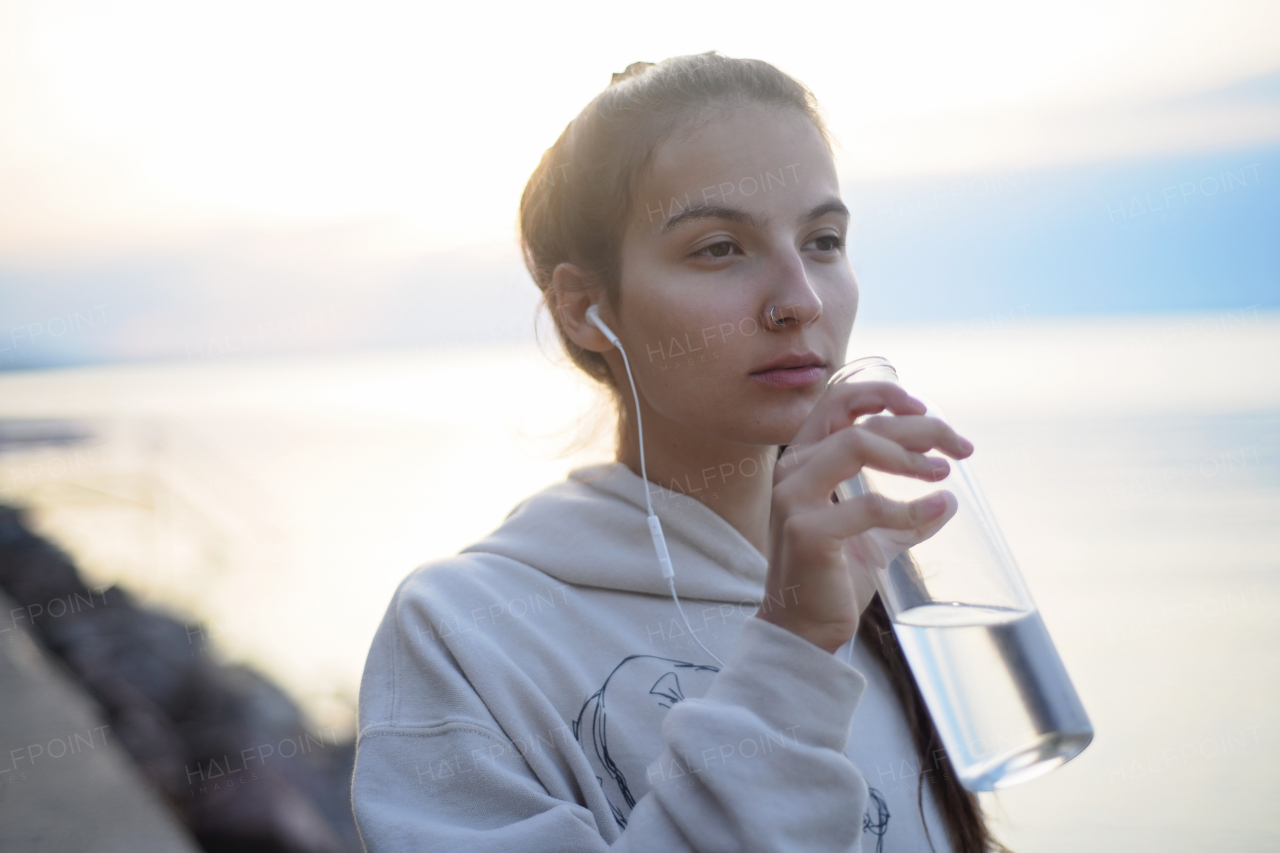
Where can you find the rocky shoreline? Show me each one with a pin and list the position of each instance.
(228, 752)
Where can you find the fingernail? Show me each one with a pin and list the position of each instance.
(933, 505)
(966, 445)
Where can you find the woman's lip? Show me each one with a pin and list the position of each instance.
(792, 360)
(790, 377)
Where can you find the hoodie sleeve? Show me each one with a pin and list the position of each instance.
(460, 784)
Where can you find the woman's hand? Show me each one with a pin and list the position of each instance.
(822, 554)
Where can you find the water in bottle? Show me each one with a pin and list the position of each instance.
(997, 690)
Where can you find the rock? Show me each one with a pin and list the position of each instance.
(225, 747)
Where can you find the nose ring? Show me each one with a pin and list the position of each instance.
(775, 320)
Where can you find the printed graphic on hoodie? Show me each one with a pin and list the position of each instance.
(631, 702)
(638, 693)
(878, 825)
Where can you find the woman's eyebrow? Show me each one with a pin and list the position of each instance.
(732, 214)
(704, 211)
(832, 206)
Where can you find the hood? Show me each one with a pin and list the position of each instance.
(590, 530)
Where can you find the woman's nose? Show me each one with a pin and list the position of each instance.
(792, 301)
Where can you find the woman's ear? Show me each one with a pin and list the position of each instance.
(572, 294)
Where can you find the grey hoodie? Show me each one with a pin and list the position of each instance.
(539, 692)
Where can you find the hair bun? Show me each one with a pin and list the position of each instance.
(635, 69)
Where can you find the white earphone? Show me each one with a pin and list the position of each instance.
(655, 526)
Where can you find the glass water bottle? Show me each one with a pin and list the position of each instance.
(998, 693)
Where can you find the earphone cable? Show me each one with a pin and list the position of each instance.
(639, 427)
(648, 500)
(676, 599)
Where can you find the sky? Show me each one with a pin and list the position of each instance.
(290, 176)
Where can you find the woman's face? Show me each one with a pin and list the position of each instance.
(738, 217)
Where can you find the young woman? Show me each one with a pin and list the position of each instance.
(541, 691)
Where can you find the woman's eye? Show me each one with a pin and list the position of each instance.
(717, 250)
(829, 243)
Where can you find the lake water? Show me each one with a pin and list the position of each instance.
(1132, 463)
